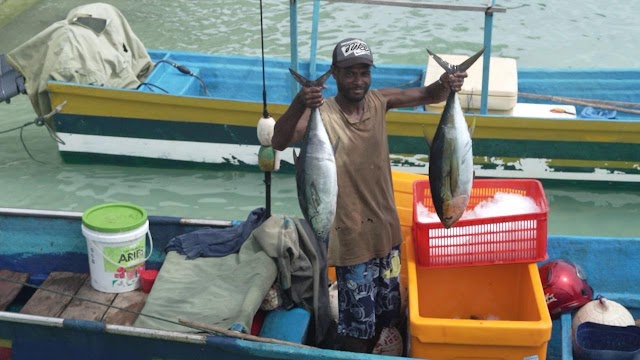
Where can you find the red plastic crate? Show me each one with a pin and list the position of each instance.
(487, 240)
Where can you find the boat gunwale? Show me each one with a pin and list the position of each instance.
(76, 215)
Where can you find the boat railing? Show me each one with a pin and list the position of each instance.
(488, 10)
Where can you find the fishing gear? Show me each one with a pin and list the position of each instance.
(183, 69)
(267, 156)
(150, 86)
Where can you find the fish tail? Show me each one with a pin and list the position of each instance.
(306, 82)
(470, 61)
(299, 78)
(450, 69)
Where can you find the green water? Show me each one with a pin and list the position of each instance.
(538, 34)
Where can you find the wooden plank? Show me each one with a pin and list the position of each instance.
(131, 301)
(48, 303)
(85, 310)
(9, 290)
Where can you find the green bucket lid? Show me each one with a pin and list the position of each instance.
(114, 217)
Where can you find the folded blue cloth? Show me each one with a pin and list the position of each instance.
(216, 242)
(592, 113)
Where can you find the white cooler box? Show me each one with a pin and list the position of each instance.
(503, 82)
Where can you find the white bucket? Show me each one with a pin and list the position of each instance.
(116, 250)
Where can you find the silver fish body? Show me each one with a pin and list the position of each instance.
(316, 175)
(451, 155)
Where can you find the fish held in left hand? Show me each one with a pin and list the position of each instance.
(316, 176)
(451, 154)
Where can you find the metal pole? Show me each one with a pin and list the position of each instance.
(422, 5)
(486, 60)
(293, 25)
(314, 39)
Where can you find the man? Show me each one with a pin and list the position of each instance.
(364, 242)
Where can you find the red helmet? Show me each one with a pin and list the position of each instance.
(565, 286)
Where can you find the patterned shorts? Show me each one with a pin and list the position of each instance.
(369, 295)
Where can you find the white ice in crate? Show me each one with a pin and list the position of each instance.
(505, 240)
(501, 204)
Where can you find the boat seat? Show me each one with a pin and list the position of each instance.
(503, 82)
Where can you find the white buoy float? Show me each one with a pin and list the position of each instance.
(268, 158)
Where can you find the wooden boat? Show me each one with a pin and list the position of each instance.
(533, 127)
(40, 246)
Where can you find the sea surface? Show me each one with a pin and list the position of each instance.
(544, 33)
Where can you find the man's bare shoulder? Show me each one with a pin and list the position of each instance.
(388, 92)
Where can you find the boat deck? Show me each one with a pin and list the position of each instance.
(70, 296)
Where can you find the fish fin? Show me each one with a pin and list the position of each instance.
(427, 136)
(335, 146)
(306, 82)
(472, 128)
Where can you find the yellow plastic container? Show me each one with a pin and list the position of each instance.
(477, 312)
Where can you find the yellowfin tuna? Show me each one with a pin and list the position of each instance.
(451, 155)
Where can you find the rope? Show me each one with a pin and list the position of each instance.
(39, 121)
(603, 104)
(265, 114)
(151, 86)
(185, 70)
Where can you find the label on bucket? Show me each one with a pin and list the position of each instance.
(122, 264)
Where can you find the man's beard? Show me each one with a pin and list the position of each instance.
(346, 93)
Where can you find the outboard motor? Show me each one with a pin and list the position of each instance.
(11, 81)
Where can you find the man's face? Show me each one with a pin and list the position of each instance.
(353, 82)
